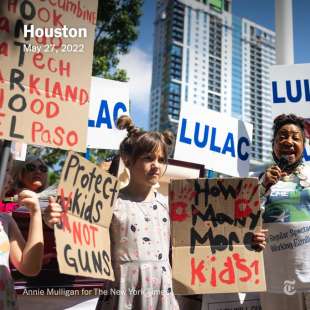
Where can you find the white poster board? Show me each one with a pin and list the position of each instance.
(290, 89)
(210, 138)
(290, 93)
(108, 101)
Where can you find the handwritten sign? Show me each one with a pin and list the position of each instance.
(213, 222)
(87, 195)
(44, 90)
(108, 101)
(202, 139)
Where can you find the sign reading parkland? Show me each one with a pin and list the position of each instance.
(213, 222)
(87, 195)
(44, 90)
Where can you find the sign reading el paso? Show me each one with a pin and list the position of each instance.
(45, 70)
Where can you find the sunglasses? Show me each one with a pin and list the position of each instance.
(32, 167)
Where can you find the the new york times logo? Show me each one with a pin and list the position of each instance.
(64, 32)
(289, 287)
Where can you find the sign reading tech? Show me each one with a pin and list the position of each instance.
(218, 141)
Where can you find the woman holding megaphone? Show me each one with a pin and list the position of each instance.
(285, 190)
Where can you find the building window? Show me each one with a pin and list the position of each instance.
(176, 50)
(174, 88)
(226, 5)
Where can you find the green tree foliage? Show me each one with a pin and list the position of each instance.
(116, 29)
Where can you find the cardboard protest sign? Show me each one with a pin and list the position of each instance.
(177, 170)
(213, 222)
(46, 57)
(87, 195)
(290, 89)
(108, 101)
(202, 139)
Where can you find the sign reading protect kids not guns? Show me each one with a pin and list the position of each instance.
(46, 52)
(87, 195)
(213, 222)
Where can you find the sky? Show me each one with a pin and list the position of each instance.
(138, 62)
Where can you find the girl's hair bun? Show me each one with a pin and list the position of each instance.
(125, 122)
(169, 137)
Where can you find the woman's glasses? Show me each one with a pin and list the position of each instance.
(33, 167)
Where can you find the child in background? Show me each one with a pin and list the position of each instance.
(30, 174)
(140, 228)
(25, 256)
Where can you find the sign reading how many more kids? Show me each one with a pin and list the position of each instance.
(87, 195)
(46, 52)
(290, 88)
(108, 101)
(213, 223)
(218, 141)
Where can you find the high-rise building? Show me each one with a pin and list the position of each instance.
(204, 55)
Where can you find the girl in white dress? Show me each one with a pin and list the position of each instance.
(140, 228)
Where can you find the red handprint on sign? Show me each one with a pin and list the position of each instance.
(180, 204)
(243, 201)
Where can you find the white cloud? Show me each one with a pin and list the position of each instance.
(138, 65)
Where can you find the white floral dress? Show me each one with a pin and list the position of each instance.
(140, 239)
